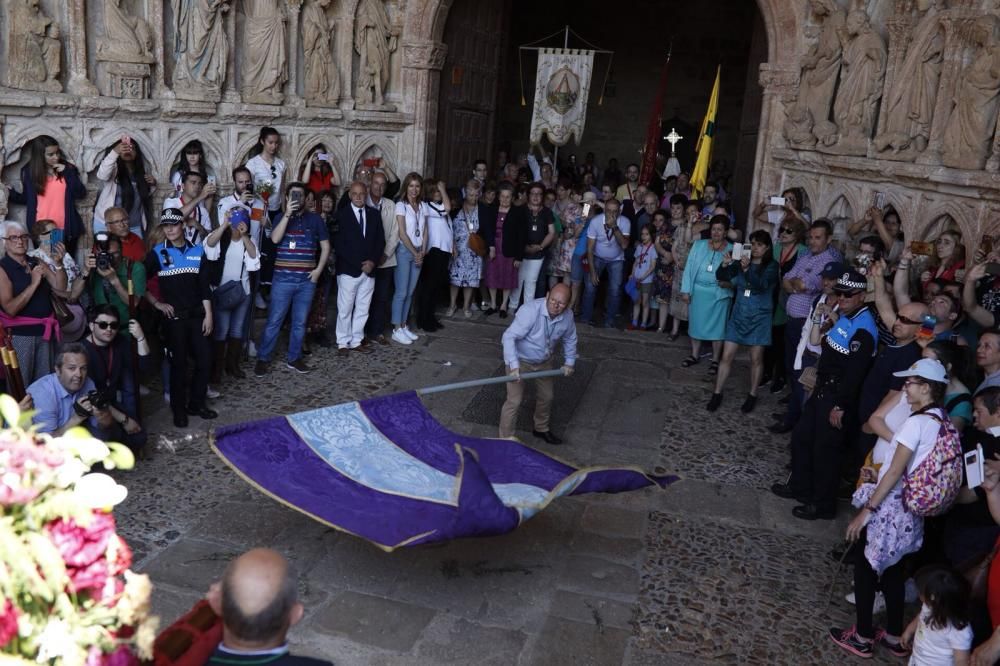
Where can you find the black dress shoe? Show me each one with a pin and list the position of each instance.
(780, 428)
(748, 404)
(812, 512)
(777, 385)
(714, 402)
(785, 491)
(203, 412)
(437, 323)
(489, 311)
(547, 436)
(764, 381)
(180, 420)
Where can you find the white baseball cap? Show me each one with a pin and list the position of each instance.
(926, 368)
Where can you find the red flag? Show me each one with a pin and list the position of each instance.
(653, 130)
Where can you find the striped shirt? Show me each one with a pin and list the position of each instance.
(808, 269)
(298, 250)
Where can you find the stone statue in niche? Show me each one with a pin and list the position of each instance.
(968, 135)
(200, 48)
(861, 76)
(322, 82)
(909, 104)
(126, 38)
(34, 50)
(374, 40)
(265, 54)
(820, 67)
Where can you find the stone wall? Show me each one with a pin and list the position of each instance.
(902, 100)
(168, 71)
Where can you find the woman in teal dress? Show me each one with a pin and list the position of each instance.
(754, 279)
(708, 300)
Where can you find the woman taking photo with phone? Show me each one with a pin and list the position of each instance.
(50, 188)
(754, 278)
(126, 185)
(191, 158)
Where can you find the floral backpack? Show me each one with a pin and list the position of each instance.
(931, 488)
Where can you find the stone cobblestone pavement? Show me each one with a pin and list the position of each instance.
(712, 570)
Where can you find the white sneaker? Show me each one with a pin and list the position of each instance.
(143, 390)
(260, 303)
(879, 602)
(410, 334)
(252, 350)
(212, 393)
(399, 336)
(166, 397)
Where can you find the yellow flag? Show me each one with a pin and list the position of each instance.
(704, 146)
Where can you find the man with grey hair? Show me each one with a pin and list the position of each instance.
(359, 244)
(258, 603)
(386, 267)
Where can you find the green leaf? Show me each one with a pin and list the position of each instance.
(9, 410)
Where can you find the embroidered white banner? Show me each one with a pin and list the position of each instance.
(562, 86)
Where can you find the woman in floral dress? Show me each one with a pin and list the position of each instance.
(466, 265)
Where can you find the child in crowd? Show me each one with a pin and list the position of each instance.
(941, 634)
(642, 272)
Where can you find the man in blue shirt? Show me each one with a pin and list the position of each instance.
(528, 345)
(64, 399)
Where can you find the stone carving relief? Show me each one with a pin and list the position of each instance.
(820, 67)
(126, 38)
(201, 48)
(322, 80)
(374, 40)
(968, 136)
(265, 53)
(34, 48)
(861, 78)
(909, 102)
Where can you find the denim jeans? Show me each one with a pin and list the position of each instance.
(230, 323)
(286, 294)
(614, 270)
(406, 276)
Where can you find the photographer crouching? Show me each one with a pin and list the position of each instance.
(68, 398)
(110, 363)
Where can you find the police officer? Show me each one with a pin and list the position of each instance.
(185, 302)
(829, 418)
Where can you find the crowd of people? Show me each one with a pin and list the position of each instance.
(885, 349)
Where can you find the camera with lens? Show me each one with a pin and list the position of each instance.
(100, 399)
(102, 250)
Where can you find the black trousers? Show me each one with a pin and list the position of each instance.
(184, 338)
(818, 449)
(433, 280)
(774, 354)
(380, 301)
(867, 582)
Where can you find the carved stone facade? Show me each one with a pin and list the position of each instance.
(183, 75)
(168, 71)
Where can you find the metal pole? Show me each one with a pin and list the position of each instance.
(555, 153)
(473, 383)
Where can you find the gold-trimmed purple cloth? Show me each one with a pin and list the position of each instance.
(385, 470)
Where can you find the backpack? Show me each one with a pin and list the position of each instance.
(931, 488)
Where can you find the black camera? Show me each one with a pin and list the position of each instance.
(102, 250)
(99, 399)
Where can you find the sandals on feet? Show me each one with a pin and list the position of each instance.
(689, 361)
(713, 368)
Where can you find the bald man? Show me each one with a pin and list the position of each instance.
(258, 603)
(359, 244)
(528, 345)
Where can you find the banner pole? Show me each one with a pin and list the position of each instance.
(473, 383)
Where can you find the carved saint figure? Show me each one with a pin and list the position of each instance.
(374, 40)
(820, 67)
(265, 59)
(861, 76)
(200, 47)
(969, 133)
(33, 56)
(909, 104)
(322, 84)
(126, 38)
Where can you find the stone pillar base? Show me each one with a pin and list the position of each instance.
(127, 80)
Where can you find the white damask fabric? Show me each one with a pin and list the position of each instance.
(562, 87)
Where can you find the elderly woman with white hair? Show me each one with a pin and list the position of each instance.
(26, 286)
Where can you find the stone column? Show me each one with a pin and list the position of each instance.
(76, 35)
(421, 72)
(230, 93)
(951, 70)
(780, 84)
(154, 16)
(292, 30)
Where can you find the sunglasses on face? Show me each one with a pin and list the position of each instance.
(906, 320)
(105, 325)
(785, 230)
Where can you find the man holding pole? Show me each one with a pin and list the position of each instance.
(528, 345)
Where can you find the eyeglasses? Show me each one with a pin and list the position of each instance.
(105, 325)
(18, 239)
(913, 382)
(785, 230)
(906, 320)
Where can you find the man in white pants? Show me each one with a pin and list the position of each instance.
(358, 246)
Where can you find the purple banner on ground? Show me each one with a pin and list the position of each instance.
(385, 470)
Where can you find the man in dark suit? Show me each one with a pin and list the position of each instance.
(358, 248)
(257, 600)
